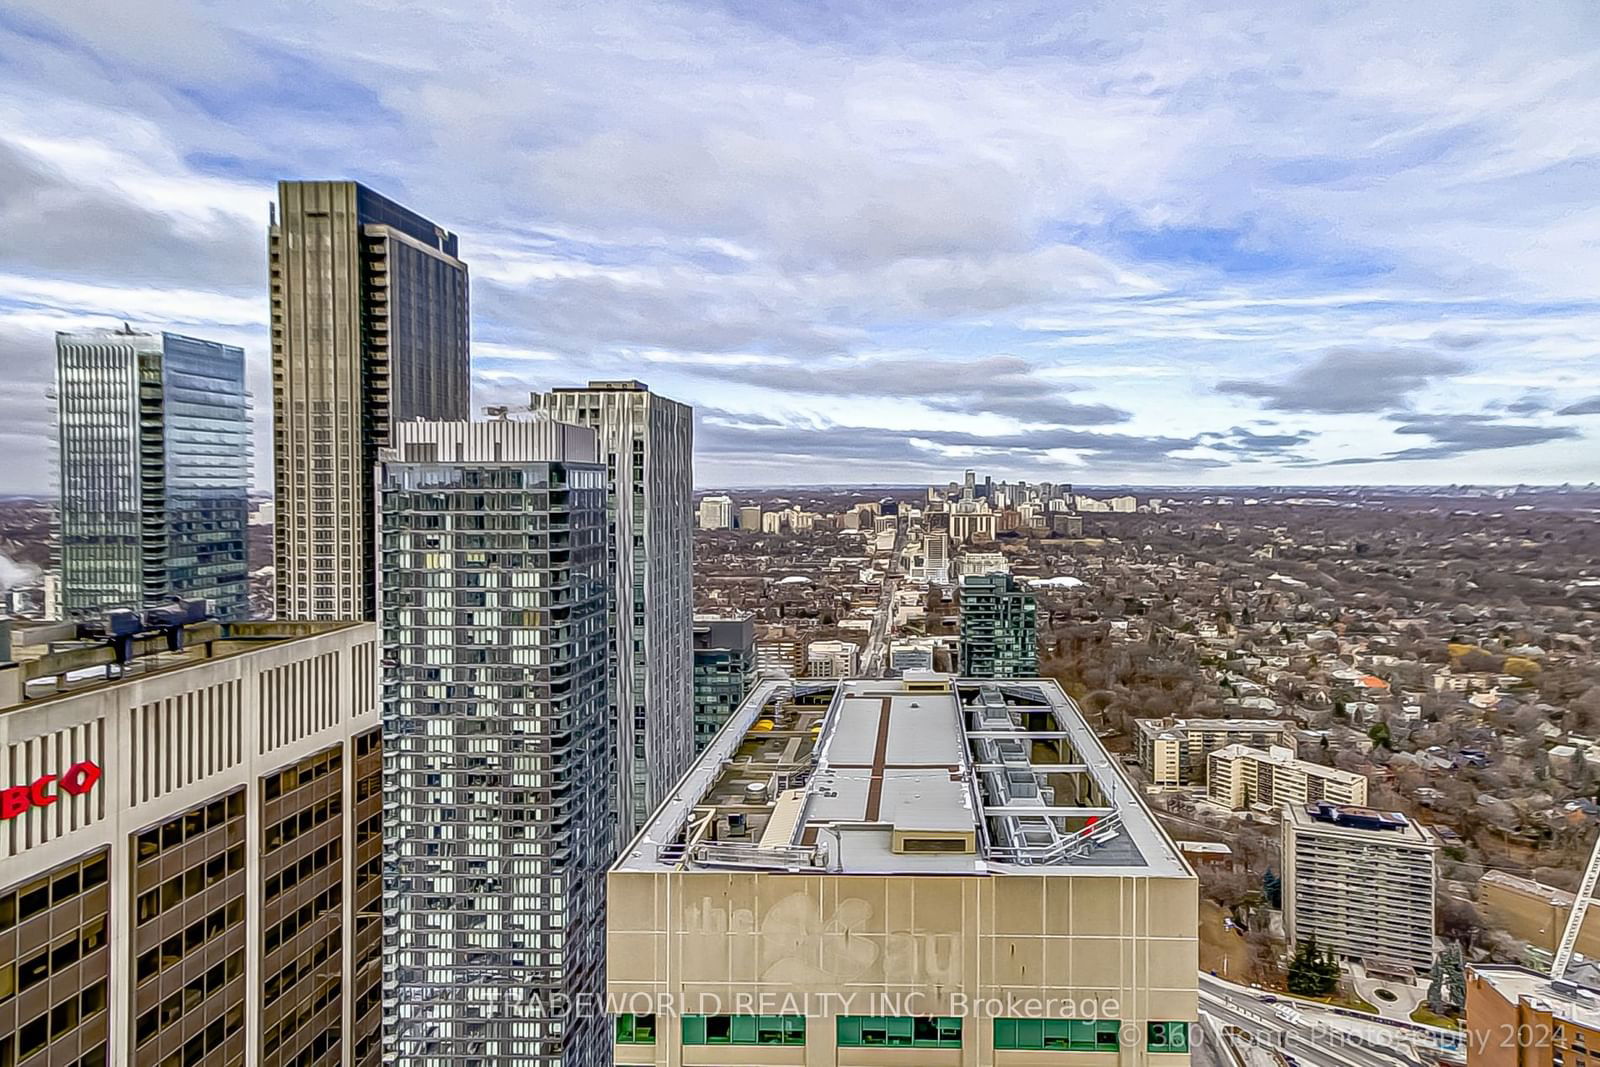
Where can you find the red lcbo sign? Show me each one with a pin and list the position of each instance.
(74, 781)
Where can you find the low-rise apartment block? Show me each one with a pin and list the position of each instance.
(190, 843)
(1361, 881)
(781, 654)
(927, 871)
(832, 659)
(1174, 752)
(1517, 1017)
(1241, 777)
(912, 654)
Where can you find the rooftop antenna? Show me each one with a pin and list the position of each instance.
(1580, 908)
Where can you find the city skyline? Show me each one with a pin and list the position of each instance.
(713, 532)
(1136, 248)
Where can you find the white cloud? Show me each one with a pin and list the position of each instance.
(1145, 202)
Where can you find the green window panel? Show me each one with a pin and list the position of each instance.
(1167, 1037)
(636, 1029)
(902, 1031)
(744, 1029)
(1058, 1035)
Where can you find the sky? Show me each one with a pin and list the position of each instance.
(874, 242)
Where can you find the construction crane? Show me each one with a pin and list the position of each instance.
(1580, 907)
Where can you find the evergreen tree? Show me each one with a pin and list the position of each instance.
(1272, 888)
(1313, 972)
(1307, 974)
(1447, 987)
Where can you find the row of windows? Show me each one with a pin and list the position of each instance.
(191, 883)
(306, 966)
(1073, 1035)
(194, 936)
(196, 1050)
(635, 1029)
(32, 1036)
(190, 997)
(24, 975)
(870, 1031)
(1085, 1035)
(35, 898)
(291, 778)
(303, 822)
(279, 1035)
(307, 914)
(188, 826)
(8, 1054)
(292, 875)
(744, 1029)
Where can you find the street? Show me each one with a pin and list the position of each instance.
(875, 658)
(1317, 1035)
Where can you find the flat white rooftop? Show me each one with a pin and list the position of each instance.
(925, 774)
(1572, 1001)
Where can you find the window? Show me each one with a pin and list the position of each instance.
(1061, 1035)
(872, 1031)
(1167, 1037)
(33, 1036)
(636, 1029)
(744, 1030)
(32, 971)
(33, 899)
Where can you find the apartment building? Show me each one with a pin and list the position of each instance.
(832, 659)
(369, 330)
(1518, 1017)
(1240, 777)
(1533, 912)
(912, 654)
(977, 564)
(715, 513)
(493, 597)
(999, 631)
(1066, 525)
(972, 521)
(1361, 881)
(927, 871)
(647, 446)
(190, 844)
(1175, 752)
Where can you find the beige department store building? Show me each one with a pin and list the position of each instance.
(920, 871)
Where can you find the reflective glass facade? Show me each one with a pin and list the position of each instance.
(724, 668)
(492, 614)
(154, 438)
(207, 421)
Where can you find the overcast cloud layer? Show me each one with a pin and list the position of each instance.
(1222, 243)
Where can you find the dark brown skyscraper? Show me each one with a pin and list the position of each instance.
(369, 328)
